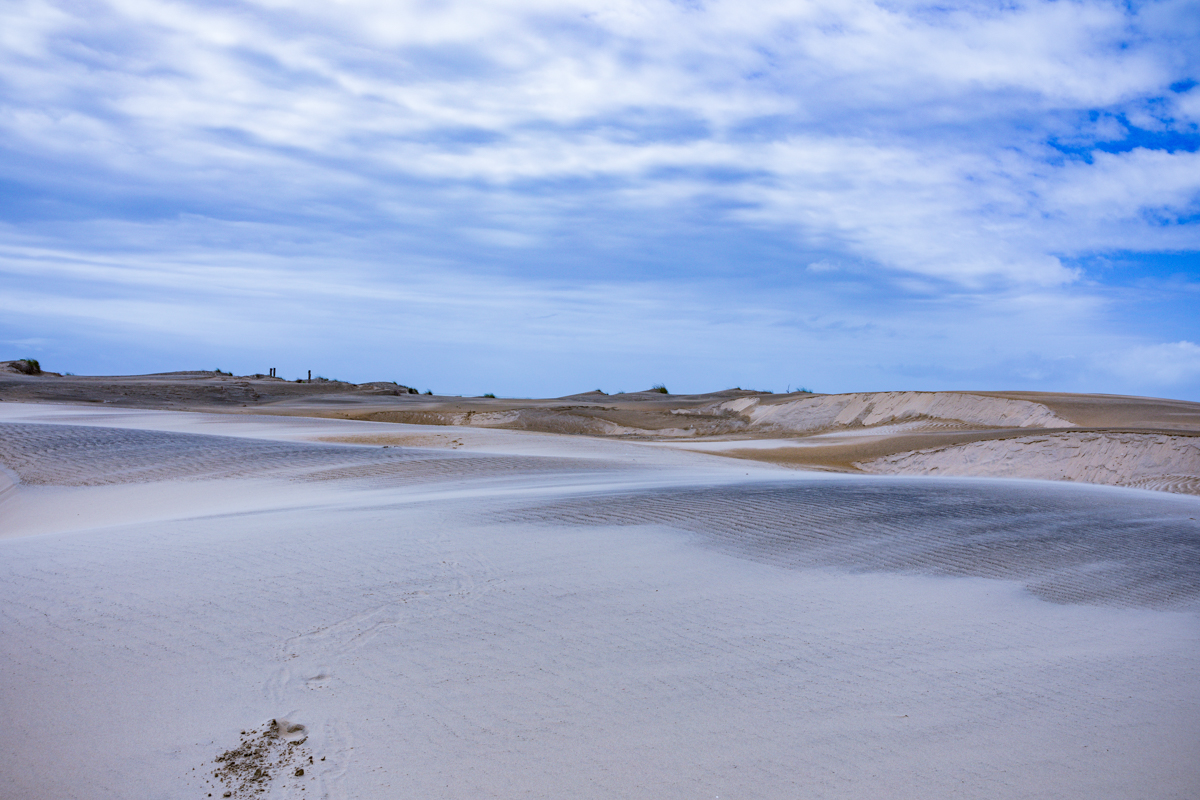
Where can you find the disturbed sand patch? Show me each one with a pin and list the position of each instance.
(269, 756)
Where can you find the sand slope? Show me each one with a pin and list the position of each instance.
(1148, 461)
(1126, 441)
(864, 410)
(498, 614)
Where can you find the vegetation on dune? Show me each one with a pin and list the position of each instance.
(489, 394)
(658, 387)
(29, 366)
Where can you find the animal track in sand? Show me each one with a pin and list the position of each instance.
(319, 679)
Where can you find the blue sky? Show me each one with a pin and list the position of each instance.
(536, 198)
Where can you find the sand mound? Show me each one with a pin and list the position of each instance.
(866, 410)
(1151, 461)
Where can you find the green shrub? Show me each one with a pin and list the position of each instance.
(489, 394)
(658, 387)
(29, 366)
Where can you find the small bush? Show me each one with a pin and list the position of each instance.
(29, 366)
(658, 387)
(430, 391)
(489, 394)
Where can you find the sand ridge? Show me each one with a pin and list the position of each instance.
(1124, 441)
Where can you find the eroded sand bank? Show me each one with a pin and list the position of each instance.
(1123, 441)
(503, 614)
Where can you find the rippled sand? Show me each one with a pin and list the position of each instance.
(503, 614)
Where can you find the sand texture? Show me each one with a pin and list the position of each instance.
(1122, 441)
(295, 607)
(1147, 461)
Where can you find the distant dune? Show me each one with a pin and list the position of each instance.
(1123, 441)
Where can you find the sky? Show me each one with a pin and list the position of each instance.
(539, 198)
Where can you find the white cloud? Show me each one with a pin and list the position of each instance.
(464, 331)
(823, 266)
(1167, 364)
(901, 135)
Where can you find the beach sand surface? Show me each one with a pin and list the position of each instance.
(1139, 442)
(194, 604)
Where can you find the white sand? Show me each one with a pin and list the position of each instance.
(535, 616)
(1149, 461)
(869, 409)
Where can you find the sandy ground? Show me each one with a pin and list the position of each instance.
(288, 607)
(1121, 441)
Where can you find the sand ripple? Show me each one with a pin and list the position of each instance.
(70, 455)
(1069, 545)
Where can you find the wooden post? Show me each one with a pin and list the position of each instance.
(310, 376)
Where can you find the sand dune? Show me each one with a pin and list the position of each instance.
(194, 604)
(823, 413)
(1125, 441)
(1149, 461)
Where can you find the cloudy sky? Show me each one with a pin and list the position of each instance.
(539, 198)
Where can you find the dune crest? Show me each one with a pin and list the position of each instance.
(1148, 461)
(870, 409)
(1139, 442)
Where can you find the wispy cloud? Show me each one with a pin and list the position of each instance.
(933, 151)
(521, 335)
(1168, 364)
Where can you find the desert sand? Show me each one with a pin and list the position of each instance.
(296, 598)
(1139, 442)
